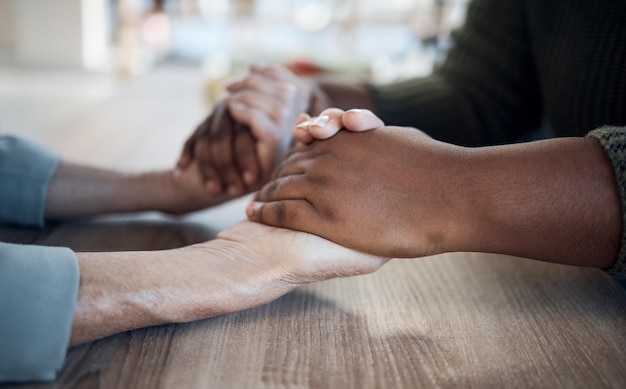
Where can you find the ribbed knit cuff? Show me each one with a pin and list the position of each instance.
(613, 139)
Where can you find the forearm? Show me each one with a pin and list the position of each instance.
(112, 300)
(127, 290)
(121, 291)
(80, 191)
(553, 200)
(77, 191)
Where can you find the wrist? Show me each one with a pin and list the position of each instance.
(157, 191)
(117, 293)
(553, 200)
(164, 191)
(120, 291)
(145, 191)
(452, 225)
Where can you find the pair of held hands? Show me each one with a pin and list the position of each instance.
(345, 189)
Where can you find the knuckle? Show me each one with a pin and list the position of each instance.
(265, 193)
(280, 214)
(291, 216)
(224, 169)
(326, 212)
(222, 165)
(270, 190)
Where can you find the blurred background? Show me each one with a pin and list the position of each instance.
(104, 65)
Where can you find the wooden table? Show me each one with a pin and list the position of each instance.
(455, 320)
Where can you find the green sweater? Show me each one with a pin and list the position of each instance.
(517, 64)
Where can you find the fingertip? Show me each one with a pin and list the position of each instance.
(302, 134)
(212, 187)
(321, 133)
(304, 125)
(361, 120)
(321, 121)
(253, 210)
(233, 191)
(249, 178)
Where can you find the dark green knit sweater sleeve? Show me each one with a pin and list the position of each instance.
(486, 92)
(613, 139)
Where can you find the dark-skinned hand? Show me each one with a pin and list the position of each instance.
(240, 144)
(226, 154)
(382, 192)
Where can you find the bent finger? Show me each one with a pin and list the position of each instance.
(292, 187)
(327, 124)
(245, 156)
(301, 130)
(358, 120)
(186, 155)
(222, 155)
(266, 85)
(292, 214)
(271, 71)
(261, 125)
(274, 109)
(207, 171)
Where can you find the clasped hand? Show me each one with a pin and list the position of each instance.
(386, 192)
(249, 132)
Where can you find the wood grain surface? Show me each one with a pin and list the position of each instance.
(465, 320)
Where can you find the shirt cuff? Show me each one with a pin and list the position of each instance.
(38, 291)
(25, 172)
(613, 139)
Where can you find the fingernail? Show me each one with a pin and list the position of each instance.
(232, 191)
(321, 121)
(305, 125)
(252, 209)
(357, 110)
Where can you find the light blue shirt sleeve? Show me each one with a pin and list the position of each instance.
(38, 285)
(38, 290)
(25, 172)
